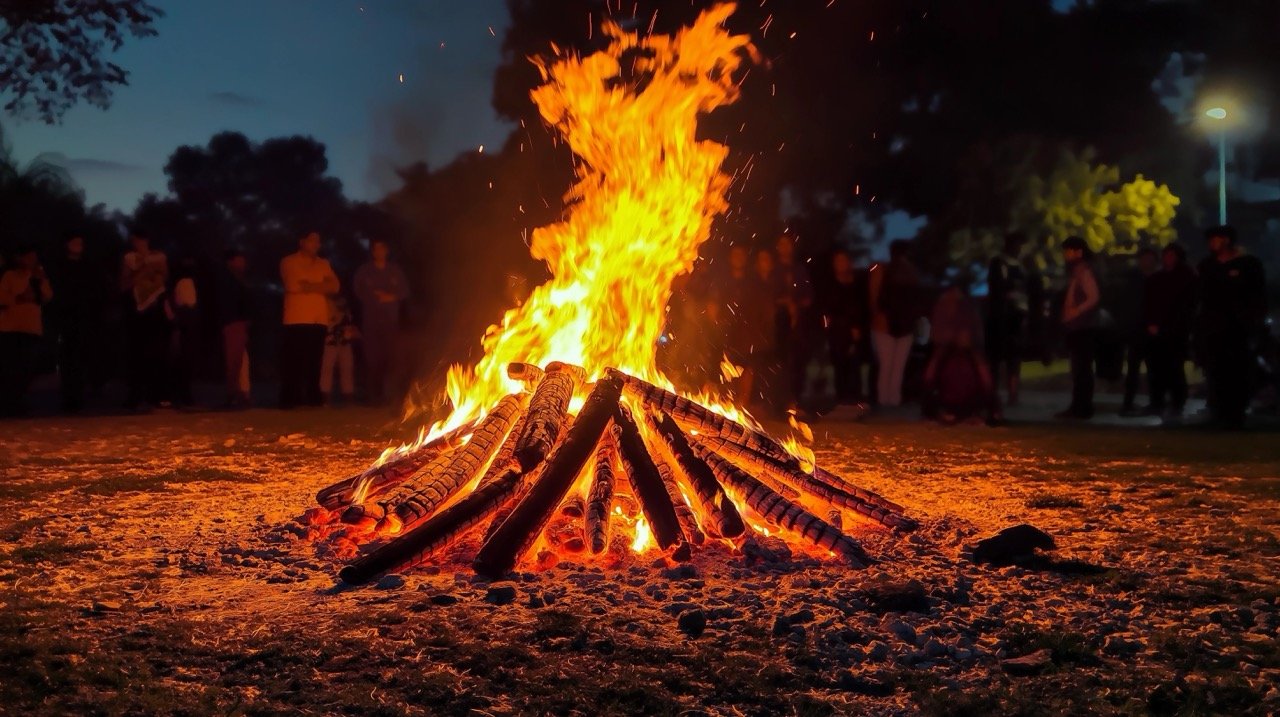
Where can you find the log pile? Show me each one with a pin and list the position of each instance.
(634, 455)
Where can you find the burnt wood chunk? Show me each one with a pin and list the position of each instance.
(720, 516)
(547, 411)
(646, 481)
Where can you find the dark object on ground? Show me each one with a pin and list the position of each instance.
(1012, 545)
(888, 595)
(692, 622)
(1027, 665)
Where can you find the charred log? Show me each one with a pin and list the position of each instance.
(513, 538)
(720, 515)
(526, 373)
(782, 513)
(646, 481)
(547, 411)
(600, 498)
(436, 533)
(389, 474)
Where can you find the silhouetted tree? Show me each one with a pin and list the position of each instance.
(53, 53)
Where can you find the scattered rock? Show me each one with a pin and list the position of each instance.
(902, 630)
(933, 649)
(885, 594)
(1117, 645)
(443, 599)
(878, 651)
(501, 594)
(390, 581)
(781, 626)
(1032, 664)
(1012, 545)
(101, 606)
(801, 617)
(680, 572)
(692, 622)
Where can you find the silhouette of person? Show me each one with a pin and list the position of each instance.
(1233, 308)
(308, 282)
(381, 287)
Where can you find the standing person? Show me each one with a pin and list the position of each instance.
(1233, 308)
(1081, 307)
(957, 379)
(24, 288)
(1012, 290)
(78, 290)
(1169, 303)
(144, 274)
(381, 288)
(764, 311)
(795, 331)
(339, 353)
(308, 282)
(235, 305)
(1133, 327)
(846, 321)
(895, 300)
(183, 310)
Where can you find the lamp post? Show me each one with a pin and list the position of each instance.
(1220, 114)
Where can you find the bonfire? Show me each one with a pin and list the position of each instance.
(565, 438)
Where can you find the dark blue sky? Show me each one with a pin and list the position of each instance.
(327, 68)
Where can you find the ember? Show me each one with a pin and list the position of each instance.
(565, 439)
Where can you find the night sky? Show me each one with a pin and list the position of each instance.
(327, 68)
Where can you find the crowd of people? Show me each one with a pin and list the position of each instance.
(780, 340)
(163, 313)
(762, 328)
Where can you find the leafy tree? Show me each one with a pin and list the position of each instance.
(1071, 194)
(53, 53)
(256, 197)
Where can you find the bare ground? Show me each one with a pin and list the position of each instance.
(152, 565)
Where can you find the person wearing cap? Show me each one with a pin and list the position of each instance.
(1232, 311)
(309, 281)
(1081, 309)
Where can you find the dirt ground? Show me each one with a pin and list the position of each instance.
(153, 565)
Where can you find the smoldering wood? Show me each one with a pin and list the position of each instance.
(547, 412)
(470, 461)
(600, 496)
(782, 513)
(796, 478)
(646, 481)
(512, 539)
(389, 474)
(720, 516)
(671, 476)
(436, 533)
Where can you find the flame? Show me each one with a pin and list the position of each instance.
(801, 450)
(646, 193)
(644, 537)
(728, 370)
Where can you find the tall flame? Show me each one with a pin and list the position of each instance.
(646, 192)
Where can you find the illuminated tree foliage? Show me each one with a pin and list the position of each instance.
(53, 53)
(1074, 195)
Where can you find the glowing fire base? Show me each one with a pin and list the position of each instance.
(638, 468)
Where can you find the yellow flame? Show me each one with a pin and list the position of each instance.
(728, 370)
(646, 193)
(644, 537)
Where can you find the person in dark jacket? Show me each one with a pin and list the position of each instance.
(235, 306)
(1169, 303)
(1081, 308)
(79, 292)
(1128, 312)
(1014, 293)
(1233, 308)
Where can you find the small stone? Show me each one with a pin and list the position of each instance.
(443, 599)
(106, 606)
(1117, 645)
(692, 622)
(501, 594)
(902, 630)
(680, 572)
(878, 651)
(888, 595)
(801, 617)
(781, 626)
(933, 648)
(390, 581)
(1032, 664)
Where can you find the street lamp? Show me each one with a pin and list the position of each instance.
(1220, 115)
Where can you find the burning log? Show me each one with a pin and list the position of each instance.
(712, 428)
(780, 512)
(720, 515)
(505, 457)
(796, 478)
(869, 496)
(684, 514)
(446, 474)
(512, 539)
(527, 373)
(600, 498)
(438, 532)
(547, 411)
(646, 481)
(389, 474)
